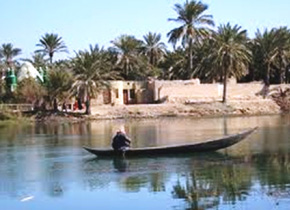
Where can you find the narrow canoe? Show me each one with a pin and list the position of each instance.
(205, 146)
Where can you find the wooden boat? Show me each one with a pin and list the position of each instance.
(205, 146)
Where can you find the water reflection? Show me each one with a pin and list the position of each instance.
(120, 164)
(202, 182)
(47, 162)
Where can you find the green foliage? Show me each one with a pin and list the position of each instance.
(60, 80)
(193, 26)
(8, 114)
(92, 70)
(38, 60)
(153, 48)
(175, 65)
(128, 60)
(230, 55)
(8, 52)
(282, 98)
(50, 44)
(271, 54)
(29, 91)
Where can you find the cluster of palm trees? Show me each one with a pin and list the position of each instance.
(199, 50)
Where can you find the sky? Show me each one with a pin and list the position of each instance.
(84, 22)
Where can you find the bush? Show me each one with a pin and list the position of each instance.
(282, 98)
(7, 114)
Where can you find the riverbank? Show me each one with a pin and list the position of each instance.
(194, 109)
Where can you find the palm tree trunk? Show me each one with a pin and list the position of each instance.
(225, 85)
(190, 57)
(55, 108)
(88, 106)
(281, 72)
(287, 74)
(267, 78)
(151, 58)
(50, 57)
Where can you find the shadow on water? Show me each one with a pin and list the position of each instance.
(121, 164)
(202, 181)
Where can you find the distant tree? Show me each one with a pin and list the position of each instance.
(92, 70)
(271, 54)
(203, 65)
(230, 55)
(127, 51)
(8, 52)
(50, 44)
(2, 83)
(38, 60)
(193, 26)
(153, 48)
(281, 53)
(60, 80)
(174, 65)
(29, 91)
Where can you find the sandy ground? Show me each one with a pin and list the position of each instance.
(197, 109)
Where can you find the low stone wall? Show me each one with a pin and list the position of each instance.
(186, 91)
(17, 107)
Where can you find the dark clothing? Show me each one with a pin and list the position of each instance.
(120, 142)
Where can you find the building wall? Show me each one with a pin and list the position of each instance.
(137, 92)
(186, 91)
(180, 91)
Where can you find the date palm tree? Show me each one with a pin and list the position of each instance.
(230, 55)
(38, 60)
(263, 47)
(60, 80)
(271, 53)
(153, 48)
(193, 26)
(174, 65)
(8, 52)
(281, 52)
(92, 70)
(1, 80)
(127, 50)
(50, 44)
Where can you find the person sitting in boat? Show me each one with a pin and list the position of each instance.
(120, 141)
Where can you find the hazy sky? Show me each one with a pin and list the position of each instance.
(84, 22)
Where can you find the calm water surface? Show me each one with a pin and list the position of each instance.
(44, 167)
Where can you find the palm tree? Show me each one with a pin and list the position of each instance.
(230, 55)
(193, 26)
(174, 65)
(38, 60)
(1, 76)
(127, 50)
(50, 44)
(92, 70)
(29, 90)
(281, 52)
(60, 80)
(153, 48)
(271, 51)
(9, 52)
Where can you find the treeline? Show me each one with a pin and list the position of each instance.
(199, 51)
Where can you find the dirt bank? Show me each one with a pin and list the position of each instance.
(193, 109)
(197, 109)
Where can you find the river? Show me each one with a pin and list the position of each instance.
(43, 166)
